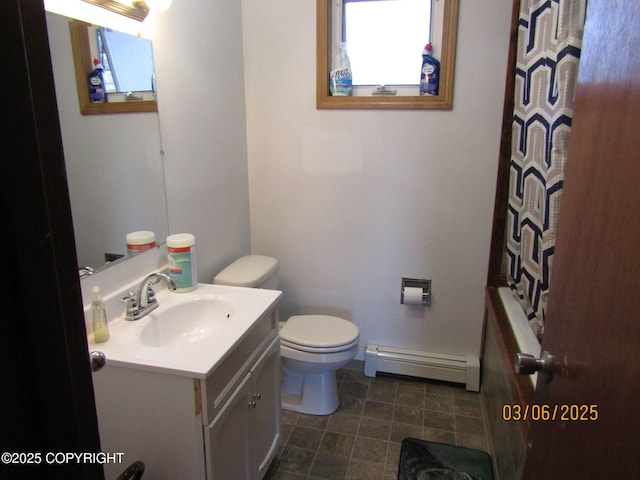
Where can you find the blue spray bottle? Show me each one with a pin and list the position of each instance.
(430, 73)
(97, 93)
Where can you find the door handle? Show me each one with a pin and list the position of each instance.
(527, 364)
(98, 360)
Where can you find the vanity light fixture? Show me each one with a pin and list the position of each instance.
(135, 9)
(158, 5)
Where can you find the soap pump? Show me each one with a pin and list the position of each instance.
(99, 317)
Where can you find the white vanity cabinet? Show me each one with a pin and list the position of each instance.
(243, 437)
(221, 427)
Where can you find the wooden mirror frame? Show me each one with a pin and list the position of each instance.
(443, 101)
(82, 64)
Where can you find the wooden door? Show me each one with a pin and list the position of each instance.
(593, 317)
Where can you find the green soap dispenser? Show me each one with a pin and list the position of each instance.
(99, 318)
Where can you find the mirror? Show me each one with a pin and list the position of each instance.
(114, 163)
(81, 33)
(444, 33)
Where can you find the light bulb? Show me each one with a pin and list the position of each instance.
(158, 5)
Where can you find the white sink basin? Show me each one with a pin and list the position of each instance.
(189, 333)
(187, 322)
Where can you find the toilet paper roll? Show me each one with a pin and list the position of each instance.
(412, 295)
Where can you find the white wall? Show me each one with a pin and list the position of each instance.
(352, 201)
(199, 68)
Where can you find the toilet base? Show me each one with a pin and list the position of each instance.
(312, 394)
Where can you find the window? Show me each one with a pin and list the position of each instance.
(385, 39)
(443, 21)
(127, 61)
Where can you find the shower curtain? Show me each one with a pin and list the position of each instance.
(549, 41)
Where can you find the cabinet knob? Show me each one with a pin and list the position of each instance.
(98, 360)
(257, 396)
(252, 404)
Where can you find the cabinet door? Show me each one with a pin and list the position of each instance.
(265, 379)
(229, 453)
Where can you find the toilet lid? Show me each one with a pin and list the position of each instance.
(248, 271)
(318, 332)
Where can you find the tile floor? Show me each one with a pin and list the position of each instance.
(361, 440)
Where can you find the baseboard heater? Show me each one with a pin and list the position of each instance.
(436, 366)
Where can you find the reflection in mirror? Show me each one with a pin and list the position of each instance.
(441, 27)
(83, 36)
(114, 164)
(127, 62)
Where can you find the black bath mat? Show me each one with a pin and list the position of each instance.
(422, 460)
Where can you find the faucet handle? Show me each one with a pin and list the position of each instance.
(132, 305)
(151, 295)
(130, 296)
(130, 299)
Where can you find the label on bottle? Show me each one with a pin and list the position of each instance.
(428, 69)
(136, 249)
(96, 88)
(341, 82)
(182, 267)
(429, 81)
(341, 77)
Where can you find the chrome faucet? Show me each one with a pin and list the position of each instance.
(84, 271)
(143, 302)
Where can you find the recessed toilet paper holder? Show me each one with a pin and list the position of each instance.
(412, 283)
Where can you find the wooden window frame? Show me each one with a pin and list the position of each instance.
(443, 101)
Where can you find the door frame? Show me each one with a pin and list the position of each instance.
(48, 397)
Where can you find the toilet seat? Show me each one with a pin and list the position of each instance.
(319, 334)
(304, 348)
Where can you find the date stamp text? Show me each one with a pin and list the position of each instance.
(543, 413)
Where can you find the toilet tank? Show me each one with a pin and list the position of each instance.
(254, 271)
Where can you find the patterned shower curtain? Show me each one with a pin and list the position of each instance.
(549, 42)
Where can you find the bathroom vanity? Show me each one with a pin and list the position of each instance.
(204, 404)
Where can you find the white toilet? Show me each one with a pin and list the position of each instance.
(312, 347)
